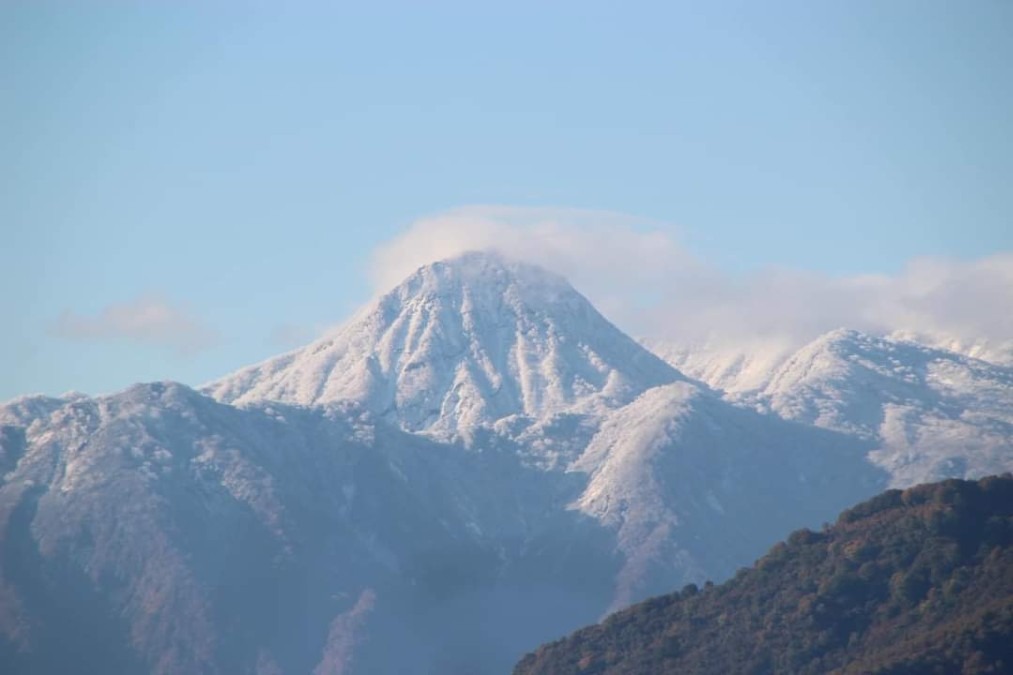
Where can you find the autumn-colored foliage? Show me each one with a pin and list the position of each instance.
(914, 581)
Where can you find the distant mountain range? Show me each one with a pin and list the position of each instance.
(931, 413)
(476, 462)
(919, 581)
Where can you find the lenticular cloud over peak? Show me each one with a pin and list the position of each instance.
(575, 243)
(639, 275)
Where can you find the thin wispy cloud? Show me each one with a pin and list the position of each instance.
(644, 279)
(149, 320)
(289, 335)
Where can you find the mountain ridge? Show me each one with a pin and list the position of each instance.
(912, 581)
(931, 413)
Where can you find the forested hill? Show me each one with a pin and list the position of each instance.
(913, 581)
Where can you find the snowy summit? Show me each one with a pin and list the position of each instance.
(461, 344)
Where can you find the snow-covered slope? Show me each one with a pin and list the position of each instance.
(159, 531)
(931, 413)
(934, 414)
(463, 344)
(170, 532)
(692, 484)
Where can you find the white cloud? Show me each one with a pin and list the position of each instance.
(289, 335)
(147, 320)
(611, 257)
(639, 275)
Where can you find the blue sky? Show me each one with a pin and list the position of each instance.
(235, 166)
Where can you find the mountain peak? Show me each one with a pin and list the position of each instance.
(488, 276)
(486, 266)
(460, 344)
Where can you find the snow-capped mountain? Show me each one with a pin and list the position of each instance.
(462, 344)
(931, 413)
(934, 414)
(478, 461)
